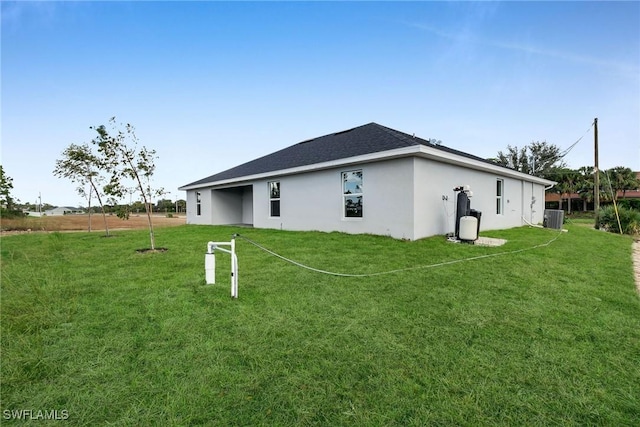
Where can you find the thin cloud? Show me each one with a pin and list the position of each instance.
(584, 59)
(467, 36)
(15, 14)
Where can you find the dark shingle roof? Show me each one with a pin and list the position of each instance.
(366, 139)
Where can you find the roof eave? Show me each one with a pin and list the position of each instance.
(414, 150)
(445, 157)
(365, 158)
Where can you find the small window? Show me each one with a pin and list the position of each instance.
(352, 193)
(274, 198)
(499, 196)
(198, 203)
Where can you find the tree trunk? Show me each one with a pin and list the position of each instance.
(89, 203)
(134, 174)
(151, 236)
(104, 214)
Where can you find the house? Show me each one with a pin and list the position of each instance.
(63, 210)
(369, 179)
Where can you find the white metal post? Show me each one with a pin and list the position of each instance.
(210, 263)
(234, 269)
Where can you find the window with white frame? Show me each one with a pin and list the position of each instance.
(274, 198)
(499, 196)
(352, 193)
(198, 203)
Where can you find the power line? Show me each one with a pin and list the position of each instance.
(565, 152)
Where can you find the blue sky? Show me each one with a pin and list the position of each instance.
(210, 85)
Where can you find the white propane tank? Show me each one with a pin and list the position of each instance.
(468, 228)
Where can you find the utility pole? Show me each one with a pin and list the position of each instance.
(596, 177)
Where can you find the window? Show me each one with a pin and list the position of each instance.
(198, 203)
(352, 193)
(499, 196)
(274, 198)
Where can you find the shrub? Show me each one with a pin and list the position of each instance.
(629, 203)
(579, 215)
(629, 220)
(11, 213)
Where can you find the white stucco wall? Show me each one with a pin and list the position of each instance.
(533, 202)
(227, 205)
(221, 206)
(205, 216)
(402, 198)
(247, 205)
(436, 216)
(313, 201)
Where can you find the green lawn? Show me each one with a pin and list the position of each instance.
(548, 336)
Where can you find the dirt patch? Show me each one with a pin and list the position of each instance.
(151, 251)
(81, 223)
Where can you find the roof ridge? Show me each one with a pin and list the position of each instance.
(330, 134)
(428, 143)
(366, 139)
(402, 136)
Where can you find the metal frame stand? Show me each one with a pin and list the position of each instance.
(210, 263)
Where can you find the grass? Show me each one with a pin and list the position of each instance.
(549, 336)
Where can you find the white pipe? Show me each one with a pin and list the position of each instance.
(532, 225)
(540, 226)
(227, 251)
(211, 246)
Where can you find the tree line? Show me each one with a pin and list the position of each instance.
(161, 206)
(545, 160)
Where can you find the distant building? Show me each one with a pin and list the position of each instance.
(63, 210)
(561, 201)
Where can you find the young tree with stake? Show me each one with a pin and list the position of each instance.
(124, 160)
